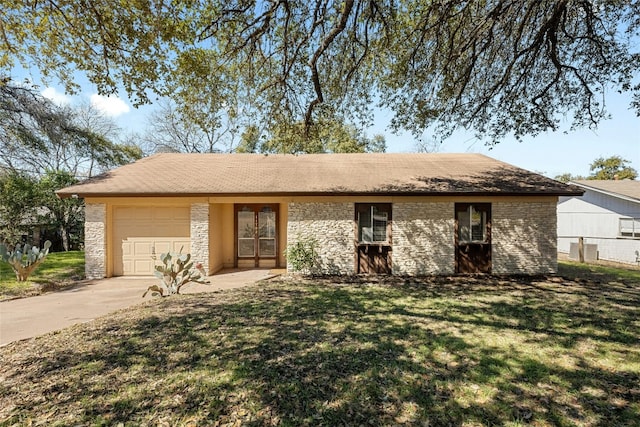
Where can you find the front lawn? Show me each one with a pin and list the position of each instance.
(599, 273)
(58, 270)
(460, 351)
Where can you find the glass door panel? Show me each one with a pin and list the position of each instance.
(246, 234)
(478, 225)
(267, 233)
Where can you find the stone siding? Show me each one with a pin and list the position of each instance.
(423, 238)
(331, 225)
(524, 238)
(94, 240)
(199, 232)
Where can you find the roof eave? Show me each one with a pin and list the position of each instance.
(606, 192)
(66, 195)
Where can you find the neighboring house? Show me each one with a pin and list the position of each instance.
(607, 217)
(406, 214)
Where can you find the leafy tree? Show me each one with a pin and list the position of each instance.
(324, 137)
(30, 203)
(493, 66)
(37, 135)
(64, 216)
(249, 140)
(45, 148)
(614, 167)
(18, 191)
(566, 177)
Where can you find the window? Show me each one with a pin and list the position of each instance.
(472, 224)
(373, 221)
(629, 227)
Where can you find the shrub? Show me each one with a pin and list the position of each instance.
(303, 256)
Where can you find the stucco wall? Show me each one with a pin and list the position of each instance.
(94, 240)
(199, 232)
(524, 238)
(423, 238)
(331, 225)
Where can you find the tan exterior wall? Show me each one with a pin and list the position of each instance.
(331, 225)
(423, 238)
(95, 233)
(524, 238)
(228, 236)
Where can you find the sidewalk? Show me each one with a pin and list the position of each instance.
(34, 316)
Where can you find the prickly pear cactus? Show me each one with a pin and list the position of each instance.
(24, 260)
(176, 270)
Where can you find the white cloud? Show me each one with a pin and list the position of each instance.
(56, 97)
(111, 105)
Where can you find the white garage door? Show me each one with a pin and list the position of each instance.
(140, 232)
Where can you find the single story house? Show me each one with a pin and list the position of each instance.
(404, 214)
(607, 218)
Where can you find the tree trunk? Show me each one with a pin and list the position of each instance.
(64, 233)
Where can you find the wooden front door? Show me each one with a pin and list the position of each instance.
(256, 235)
(473, 238)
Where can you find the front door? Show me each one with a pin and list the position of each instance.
(473, 238)
(256, 235)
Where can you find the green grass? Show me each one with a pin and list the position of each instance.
(601, 273)
(59, 269)
(463, 351)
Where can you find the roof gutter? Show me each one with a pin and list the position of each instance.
(64, 195)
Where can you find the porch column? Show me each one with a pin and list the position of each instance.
(94, 240)
(200, 234)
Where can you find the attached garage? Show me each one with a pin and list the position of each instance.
(140, 232)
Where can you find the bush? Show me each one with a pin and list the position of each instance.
(303, 256)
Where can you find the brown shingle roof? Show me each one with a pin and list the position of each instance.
(317, 174)
(625, 188)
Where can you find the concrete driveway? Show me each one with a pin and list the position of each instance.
(30, 317)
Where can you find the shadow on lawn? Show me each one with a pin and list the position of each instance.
(437, 352)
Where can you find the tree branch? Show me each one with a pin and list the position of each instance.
(313, 63)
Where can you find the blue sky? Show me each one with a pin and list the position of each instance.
(550, 154)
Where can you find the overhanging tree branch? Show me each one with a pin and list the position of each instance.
(313, 62)
(497, 66)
